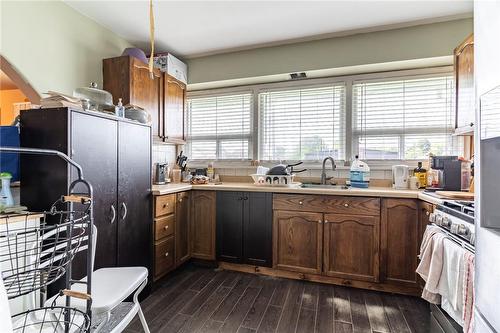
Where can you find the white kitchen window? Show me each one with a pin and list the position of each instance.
(219, 127)
(403, 118)
(302, 123)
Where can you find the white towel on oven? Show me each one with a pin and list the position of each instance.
(5, 320)
(451, 282)
(431, 263)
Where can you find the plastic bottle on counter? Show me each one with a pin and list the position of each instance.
(210, 170)
(421, 174)
(6, 198)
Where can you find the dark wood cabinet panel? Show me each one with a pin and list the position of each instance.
(258, 229)
(96, 151)
(327, 204)
(174, 105)
(464, 85)
(244, 228)
(164, 226)
(203, 224)
(399, 241)
(351, 246)
(182, 237)
(230, 226)
(298, 241)
(134, 195)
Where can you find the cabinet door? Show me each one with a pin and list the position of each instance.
(175, 92)
(146, 92)
(94, 147)
(134, 195)
(425, 210)
(230, 226)
(258, 229)
(464, 81)
(399, 241)
(203, 224)
(297, 241)
(182, 250)
(351, 246)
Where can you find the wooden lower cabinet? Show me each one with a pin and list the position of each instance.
(203, 224)
(182, 229)
(351, 246)
(164, 257)
(400, 230)
(298, 241)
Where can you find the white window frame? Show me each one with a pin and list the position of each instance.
(347, 80)
(218, 139)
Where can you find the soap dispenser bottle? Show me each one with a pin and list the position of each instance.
(120, 109)
(6, 199)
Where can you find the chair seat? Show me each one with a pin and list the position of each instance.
(110, 286)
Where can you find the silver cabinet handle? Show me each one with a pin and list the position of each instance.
(113, 216)
(346, 205)
(124, 207)
(166, 254)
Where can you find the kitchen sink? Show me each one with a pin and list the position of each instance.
(325, 186)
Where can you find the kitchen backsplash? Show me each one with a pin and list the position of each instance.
(162, 153)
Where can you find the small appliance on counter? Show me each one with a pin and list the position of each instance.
(161, 174)
(400, 176)
(449, 173)
(359, 174)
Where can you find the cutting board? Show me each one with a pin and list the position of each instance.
(456, 195)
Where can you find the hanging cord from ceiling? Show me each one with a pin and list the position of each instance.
(151, 38)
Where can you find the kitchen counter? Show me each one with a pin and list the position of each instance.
(385, 192)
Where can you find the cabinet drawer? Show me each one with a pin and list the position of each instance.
(164, 226)
(164, 204)
(327, 204)
(164, 256)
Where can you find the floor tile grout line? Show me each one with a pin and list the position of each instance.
(300, 308)
(283, 307)
(265, 310)
(236, 303)
(246, 314)
(404, 317)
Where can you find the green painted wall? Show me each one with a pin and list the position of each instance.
(53, 46)
(423, 41)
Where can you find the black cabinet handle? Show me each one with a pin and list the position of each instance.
(240, 198)
(245, 198)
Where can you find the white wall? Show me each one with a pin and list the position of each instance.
(53, 46)
(396, 45)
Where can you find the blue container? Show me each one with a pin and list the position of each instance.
(9, 162)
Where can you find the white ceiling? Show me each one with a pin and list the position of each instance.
(193, 28)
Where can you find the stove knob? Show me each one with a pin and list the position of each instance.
(432, 217)
(439, 219)
(472, 238)
(462, 230)
(446, 222)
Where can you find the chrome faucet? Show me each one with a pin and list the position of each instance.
(323, 172)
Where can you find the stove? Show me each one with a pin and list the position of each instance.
(456, 217)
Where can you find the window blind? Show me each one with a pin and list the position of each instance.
(302, 124)
(405, 118)
(219, 127)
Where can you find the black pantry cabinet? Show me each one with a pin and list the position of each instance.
(115, 155)
(244, 227)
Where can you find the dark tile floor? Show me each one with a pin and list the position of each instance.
(195, 299)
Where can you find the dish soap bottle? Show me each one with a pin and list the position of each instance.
(6, 199)
(360, 174)
(421, 174)
(120, 109)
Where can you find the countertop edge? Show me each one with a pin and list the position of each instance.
(381, 192)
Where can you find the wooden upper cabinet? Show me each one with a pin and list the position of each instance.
(203, 224)
(162, 96)
(351, 246)
(297, 241)
(182, 229)
(400, 231)
(464, 85)
(174, 99)
(128, 78)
